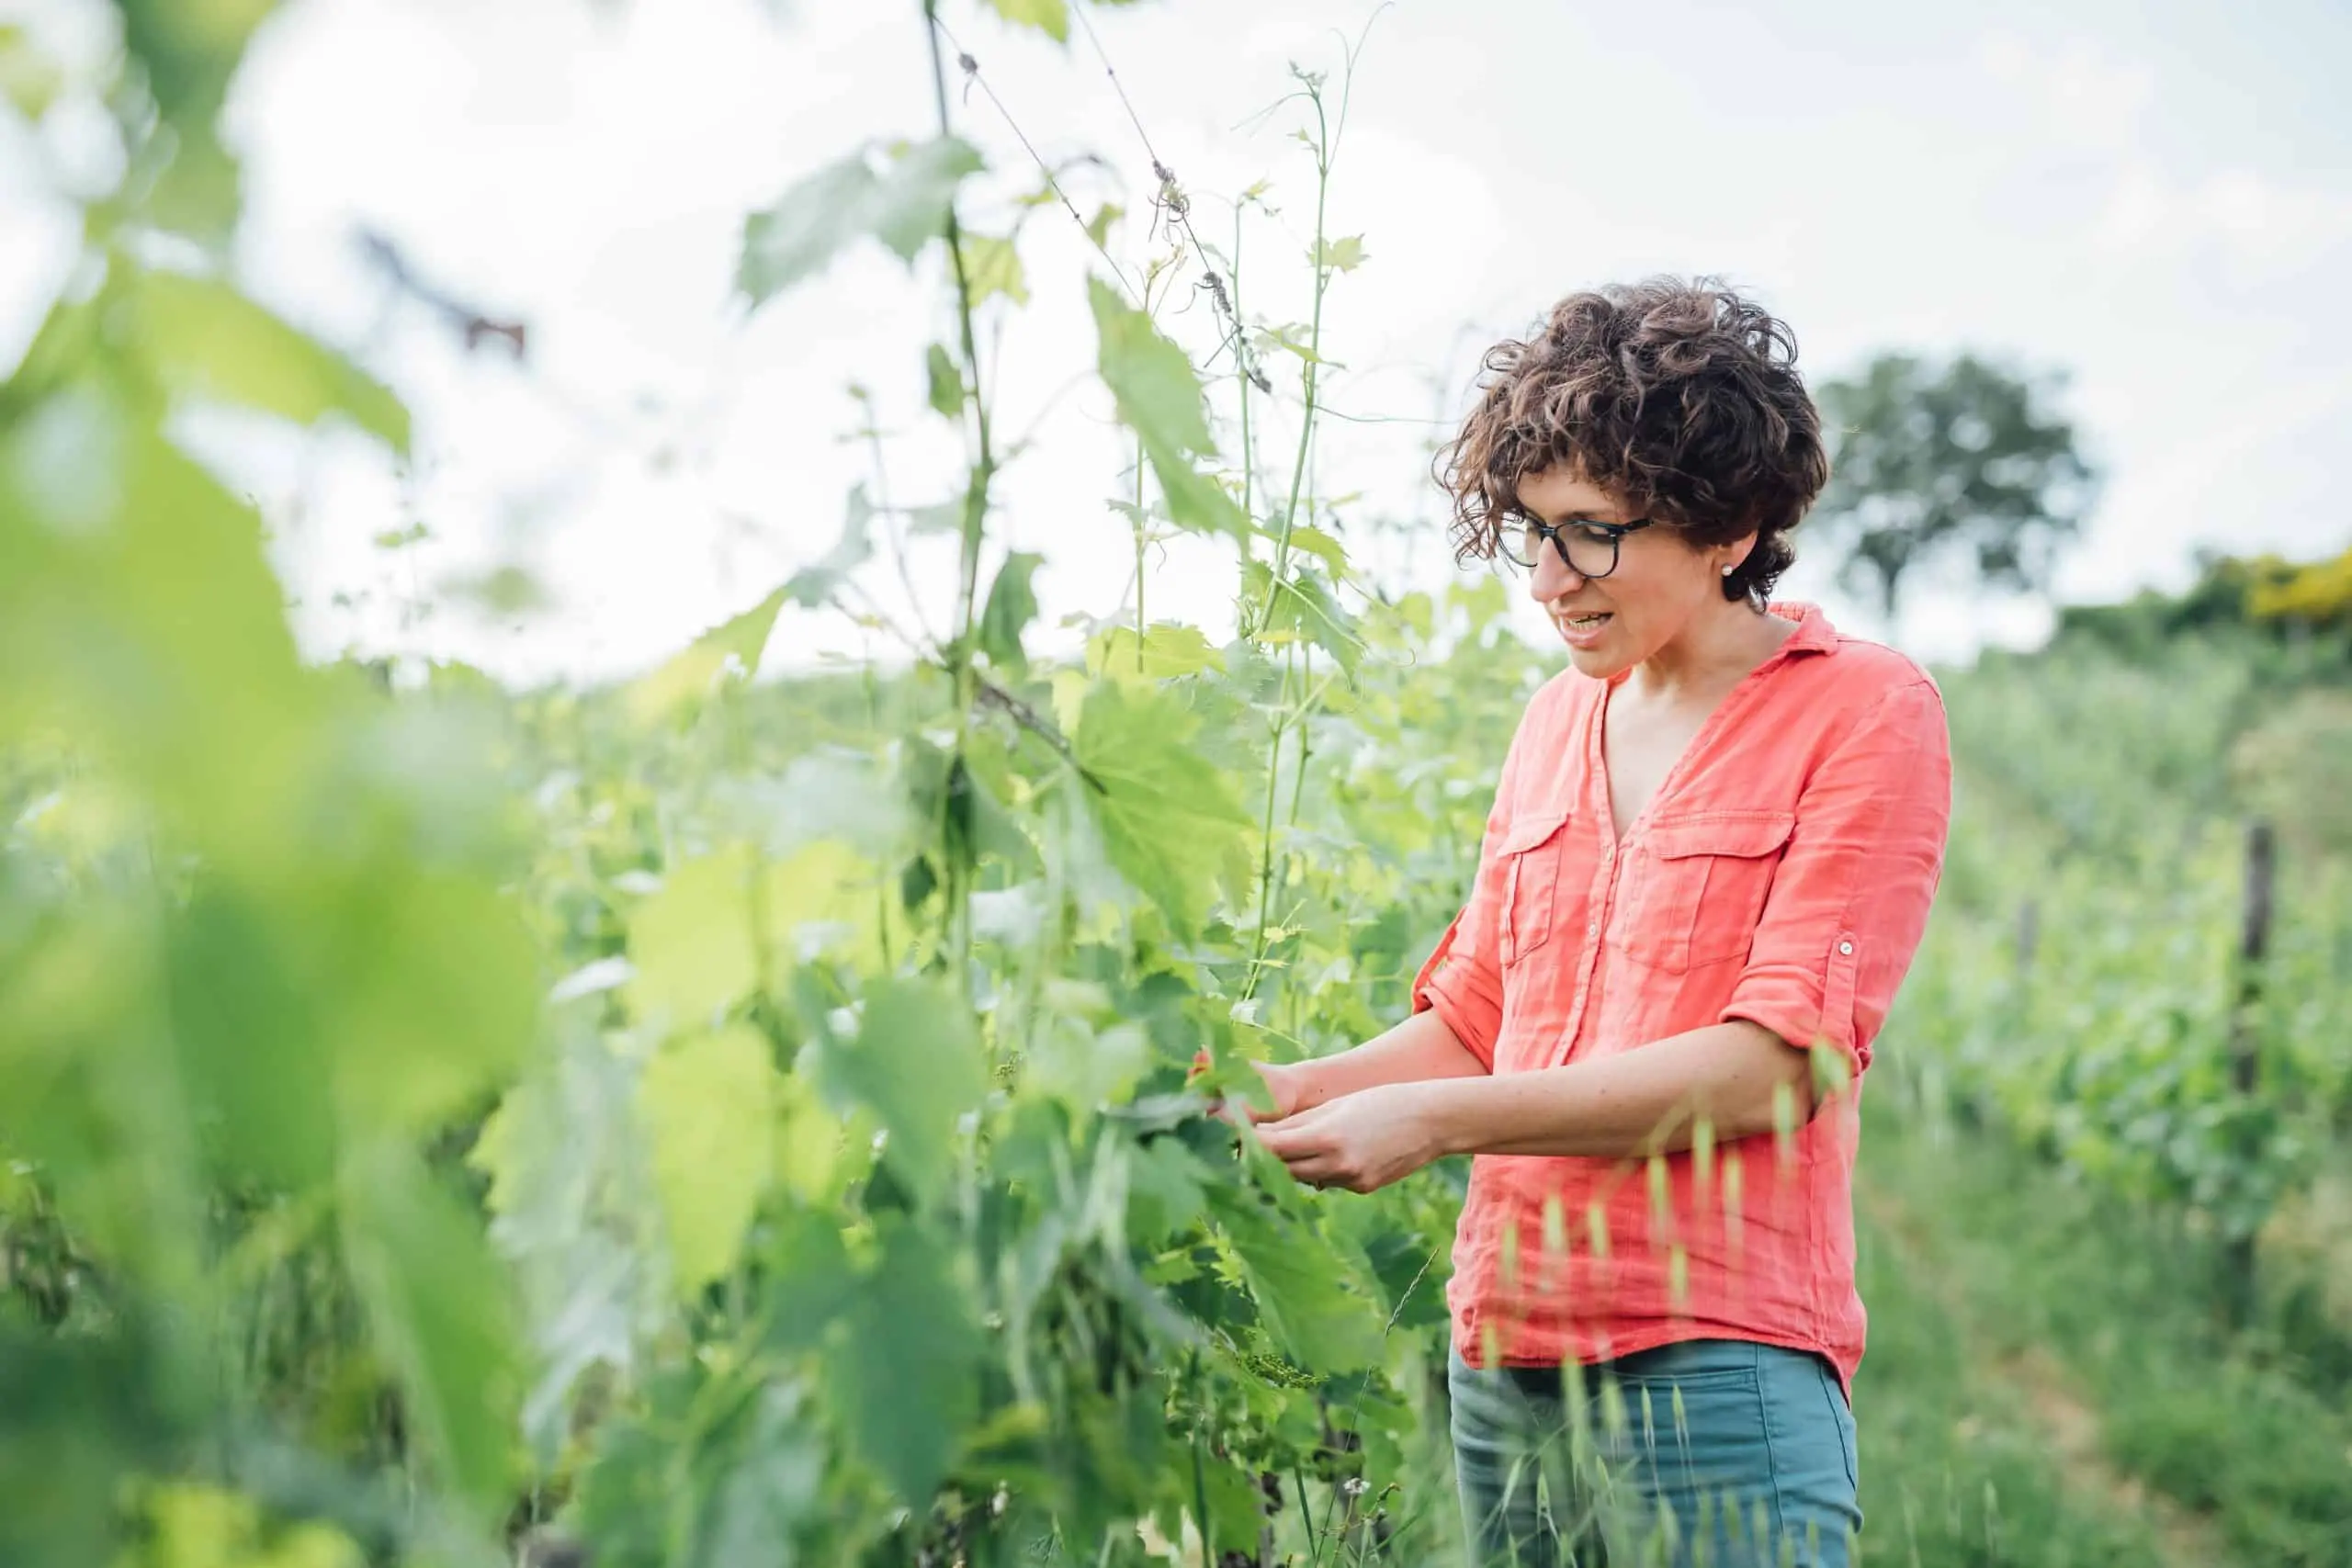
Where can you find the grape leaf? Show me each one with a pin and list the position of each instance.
(709, 1108)
(1195, 501)
(1319, 1323)
(1341, 255)
(1012, 606)
(915, 1063)
(819, 898)
(772, 1486)
(574, 1213)
(911, 206)
(1158, 395)
(1236, 1508)
(909, 1378)
(903, 206)
(1159, 398)
(813, 220)
(1048, 17)
(812, 585)
(692, 942)
(1165, 814)
(818, 1285)
(207, 340)
(29, 78)
(1302, 606)
(255, 1060)
(992, 266)
(438, 1303)
(677, 686)
(1322, 546)
(946, 381)
(1167, 649)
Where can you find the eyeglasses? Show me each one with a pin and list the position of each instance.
(1590, 550)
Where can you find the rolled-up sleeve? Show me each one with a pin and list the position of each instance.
(1850, 902)
(1462, 980)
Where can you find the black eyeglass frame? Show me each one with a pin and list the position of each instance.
(1552, 532)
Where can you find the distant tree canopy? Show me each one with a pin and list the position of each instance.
(2301, 609)
(1934, 460)
(2318, 595)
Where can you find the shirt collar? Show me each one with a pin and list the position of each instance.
(1814, 633)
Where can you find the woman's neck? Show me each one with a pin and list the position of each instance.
(1714, 651)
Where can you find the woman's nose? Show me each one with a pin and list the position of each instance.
(1553, 576)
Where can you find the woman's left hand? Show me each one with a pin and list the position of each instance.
(1361, 1141)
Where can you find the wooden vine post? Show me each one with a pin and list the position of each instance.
(2245, 1034)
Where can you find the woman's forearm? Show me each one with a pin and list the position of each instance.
(1733, 1076)
(1418, 1049)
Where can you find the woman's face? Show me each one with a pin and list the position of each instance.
(1660, 584)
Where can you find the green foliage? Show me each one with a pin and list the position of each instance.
(1303, 606)
(693, 941)
(947, 382)
(1160, 398)
(184, 57)
(208, 341)
(1341, 255)
(440, 1306)
(914, 1062)
(992, 266)
(741, 1121)
(2081, 978)
(912, 1366)
(1167, 814)
(1162, 652)
(29, 78)
(1313, 1317)
(813, 584)
(709, 1105)
(2279, 618)
(732, 647)
(2318, 595)
(904, 205)
(1012, 606)
(1048, 17)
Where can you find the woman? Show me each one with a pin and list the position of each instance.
(1710, 860)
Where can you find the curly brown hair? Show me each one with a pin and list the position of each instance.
(1679, 396)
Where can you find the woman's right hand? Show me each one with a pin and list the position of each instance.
(1289, 1086)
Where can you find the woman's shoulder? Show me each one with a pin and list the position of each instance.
(1848, 673)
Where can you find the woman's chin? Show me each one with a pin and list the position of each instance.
(1601, 662)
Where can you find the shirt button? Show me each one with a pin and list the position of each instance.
(1592, 928)
(1846, 948)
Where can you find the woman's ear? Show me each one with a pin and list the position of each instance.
(1736, 553)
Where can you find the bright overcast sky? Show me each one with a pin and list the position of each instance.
(2155, 198)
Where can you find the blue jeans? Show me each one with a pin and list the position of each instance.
(1711, 1453)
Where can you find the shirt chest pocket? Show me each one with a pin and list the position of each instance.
(1529, 855)
(1695, 887)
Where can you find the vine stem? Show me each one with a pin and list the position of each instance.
(1266, 829)
(1142, 544)
(975, 503)
(1308, 378)
(1241, 382)
(1200, 1476)
(1282, 543)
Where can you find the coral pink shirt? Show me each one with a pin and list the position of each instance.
(1782, 874)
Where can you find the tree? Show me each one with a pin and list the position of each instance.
(1933, 461)
(2318, 595)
